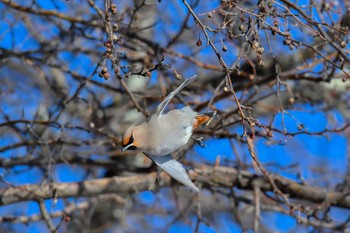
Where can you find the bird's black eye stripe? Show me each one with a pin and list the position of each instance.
(132, 148)
(131, 140)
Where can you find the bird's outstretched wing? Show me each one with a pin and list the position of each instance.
(160, 108)
(174, 169)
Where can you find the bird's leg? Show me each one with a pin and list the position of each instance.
(157, 181)
(199, 141)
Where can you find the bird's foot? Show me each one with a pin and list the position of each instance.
(156, 185)
(199, 141)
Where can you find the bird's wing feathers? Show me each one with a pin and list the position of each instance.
(159, 110)
(166, 162)
(174, 169)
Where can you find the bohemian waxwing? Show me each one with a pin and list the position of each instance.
(163, 133)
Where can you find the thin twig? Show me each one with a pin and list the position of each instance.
(46, 215)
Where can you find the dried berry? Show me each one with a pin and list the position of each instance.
(287, 42)
(252, 135)
(300, 126)
(107, 44)
(241, 27)
(115, 27)
(67, 218)
(104, 70)
(113, 8)
(269, 134)
(261, 63)
(115, 38)
(343, 44)
(260, 50)
(106, 76)
(255, 44)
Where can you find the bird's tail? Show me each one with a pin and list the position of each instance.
(204, 118)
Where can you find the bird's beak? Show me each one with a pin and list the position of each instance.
(125, 148)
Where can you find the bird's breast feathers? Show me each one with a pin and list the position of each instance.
(170, 131)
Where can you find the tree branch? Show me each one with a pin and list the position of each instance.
(209, 177)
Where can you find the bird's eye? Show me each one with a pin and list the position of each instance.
(132, 148)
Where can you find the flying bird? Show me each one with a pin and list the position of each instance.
(163, 133)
